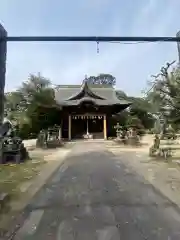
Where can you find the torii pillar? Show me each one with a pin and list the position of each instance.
(3, 51)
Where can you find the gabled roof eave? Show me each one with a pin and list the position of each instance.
(85, 87)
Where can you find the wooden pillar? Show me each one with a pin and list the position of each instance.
(69, 128)
(60, 130)
(87, 127)
(105, 127)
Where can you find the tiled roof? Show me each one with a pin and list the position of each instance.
(64, 93)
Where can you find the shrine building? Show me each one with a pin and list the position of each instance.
(86, 110)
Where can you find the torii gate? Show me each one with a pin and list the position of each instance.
(3, 51)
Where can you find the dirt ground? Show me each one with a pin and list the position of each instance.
(162, 174)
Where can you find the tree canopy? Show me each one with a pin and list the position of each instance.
(102, 78)
(27, 106)
(31, 105)
(164, 94)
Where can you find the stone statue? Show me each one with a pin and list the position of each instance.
(6, 128)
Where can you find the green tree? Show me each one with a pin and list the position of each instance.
(140, 109)
(25, 105)
(147, 120)
(102, 78)
(15, 106)
(165, 93)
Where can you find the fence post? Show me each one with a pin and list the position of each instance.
(3, 51)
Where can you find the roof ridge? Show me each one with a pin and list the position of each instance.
(91, 85)
(68, 86)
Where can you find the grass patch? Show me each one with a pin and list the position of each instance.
(12, 175)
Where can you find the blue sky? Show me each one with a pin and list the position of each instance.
(68, 63)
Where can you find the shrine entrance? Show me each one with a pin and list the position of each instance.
(85, 109)
(87, 126)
